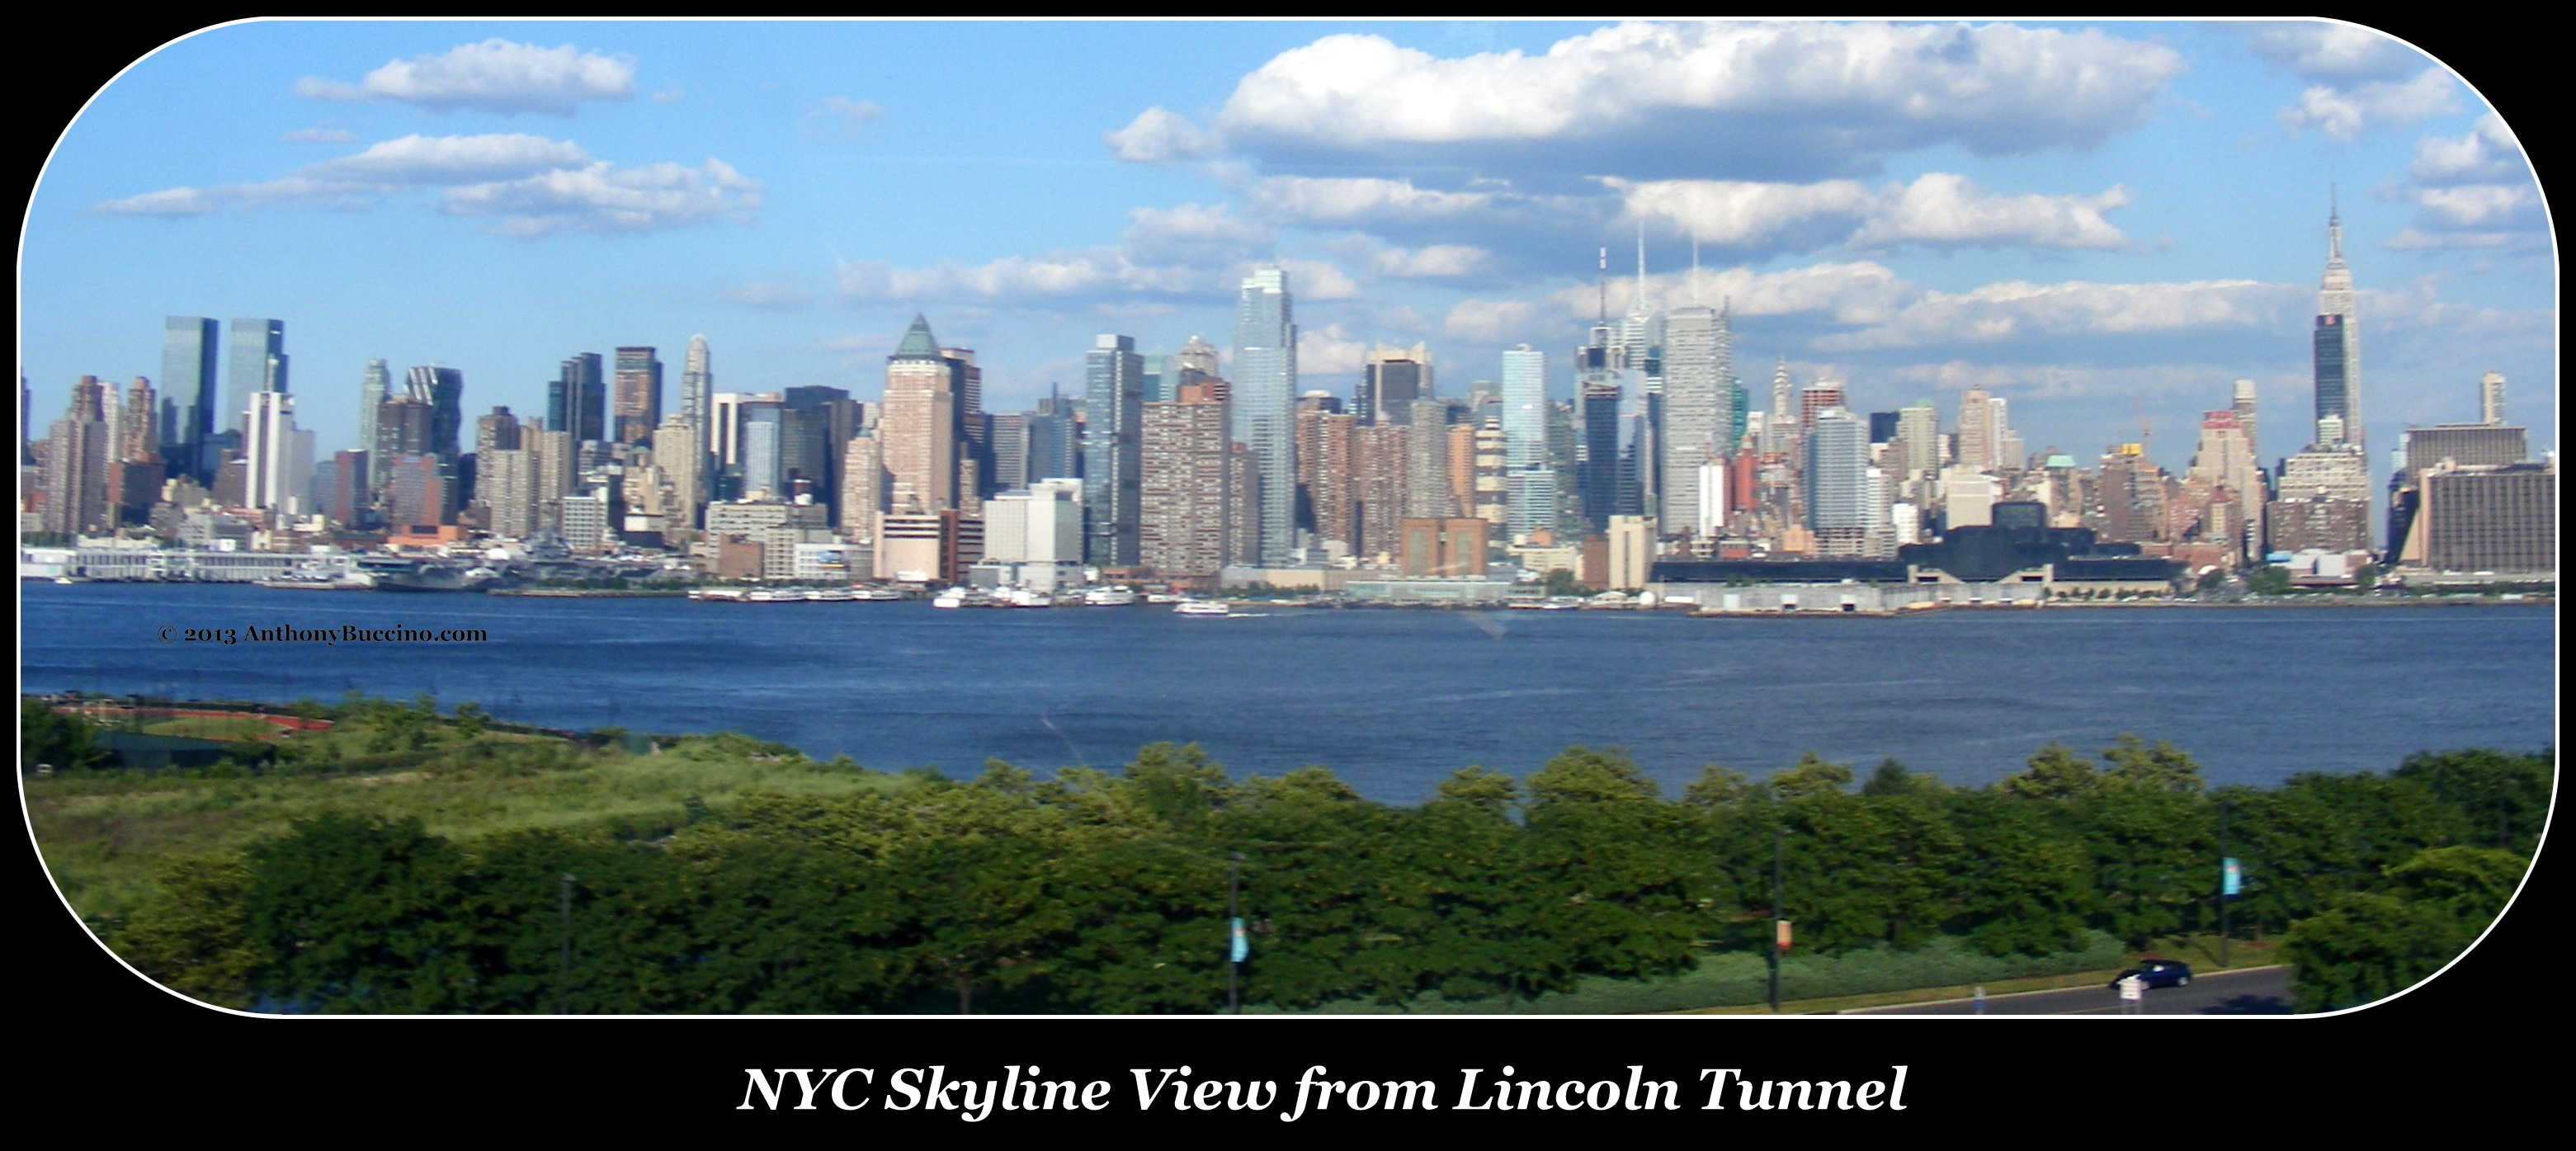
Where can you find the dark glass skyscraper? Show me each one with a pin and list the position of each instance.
(188, 377)
(577, 399)
(1113, 451)
(258, 354)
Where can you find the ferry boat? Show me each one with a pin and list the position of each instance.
(319, 583)
(716, 594)
(1023, 597)
(775, 595)
(951, 598)
(1203, 607)
(875, 594)
(830, 595)
(1109, 597)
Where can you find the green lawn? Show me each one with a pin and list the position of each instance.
(213, 727)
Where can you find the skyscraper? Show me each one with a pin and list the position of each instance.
(2491, 398)
(2243, 404)
(76, 462)
(1187, 502)
(258, 356)
(1977, 430)
(577, 400)
(918, 432)
(639, 394)
(1837, 458)
(1524, 408)
(188, 376)
(2338, 344)
(1265, 388)
(1112, 450)
(697, 388)
(371, 395)
(269, 443)
(443, 389)
(1698, 359)
(1390, 380)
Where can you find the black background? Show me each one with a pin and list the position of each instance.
(114, 1053)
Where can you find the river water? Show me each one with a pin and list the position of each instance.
(1390, 700)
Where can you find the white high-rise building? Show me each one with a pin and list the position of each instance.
(1264, 395)
(269, 445)
(1697, 363)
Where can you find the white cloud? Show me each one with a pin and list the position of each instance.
(1942, 208)
(1316, 280)
(439, 160)
(1158, 136)
(1436, 261)
(1329, 351)
(1777, 96)
(605, 198)
(167, 202)
(493, 76)
(1055, 274)
(320, 136)
(768, 294)
(1325, 201)
(841, 118)
(2475, 191)
(1743, 214)
(1493, 321)
(2335, 53)
(2014, 310)
(2344, 112)
(1192, 235)
(534, 185)
(1938, 209)
(2488, 153)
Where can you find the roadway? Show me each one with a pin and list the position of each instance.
(2250, 991)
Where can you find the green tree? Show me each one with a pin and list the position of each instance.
(2504, 795)
(469, 720)
(359, 914)
(1811, 775)
(194, 938)
(2056, 772)
(2162, 766)
(2370, 945)
(1721, 786)
(2268, 581)
(62, 742)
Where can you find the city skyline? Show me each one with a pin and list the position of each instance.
(2056, 259)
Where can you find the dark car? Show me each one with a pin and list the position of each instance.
(2158, 973)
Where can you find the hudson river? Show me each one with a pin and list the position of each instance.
(1391, 700)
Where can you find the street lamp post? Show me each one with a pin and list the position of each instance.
(564, 976)
(1779, 838)
(1234, 929)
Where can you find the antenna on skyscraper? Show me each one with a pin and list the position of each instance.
(1641, 259)
(1603, 308)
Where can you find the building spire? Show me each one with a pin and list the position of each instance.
(2334, 228)
(1641, 261)
(1602, 309)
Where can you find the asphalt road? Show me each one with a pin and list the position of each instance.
(2253, 991)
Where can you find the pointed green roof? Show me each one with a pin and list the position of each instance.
(917, 341)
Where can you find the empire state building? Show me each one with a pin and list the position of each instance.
(2338, 347)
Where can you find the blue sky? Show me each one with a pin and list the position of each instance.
(2096, 222)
